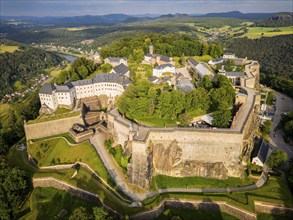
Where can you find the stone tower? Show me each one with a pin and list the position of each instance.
(151, 49)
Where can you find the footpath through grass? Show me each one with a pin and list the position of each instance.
(57, 151)
(275, 191)
(162, 182)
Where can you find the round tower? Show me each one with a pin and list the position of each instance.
(151, 49)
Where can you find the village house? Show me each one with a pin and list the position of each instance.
(260, 154)
(121, 69)
(200, 68)
(115, 61)
(164, 68)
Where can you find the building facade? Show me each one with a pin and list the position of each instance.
(112, 85)
(159, 70)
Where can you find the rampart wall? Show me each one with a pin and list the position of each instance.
(49, 128)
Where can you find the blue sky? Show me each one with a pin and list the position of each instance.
(101, 7)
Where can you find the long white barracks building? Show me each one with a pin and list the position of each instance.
(112, 85)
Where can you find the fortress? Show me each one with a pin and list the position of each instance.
(174, 151)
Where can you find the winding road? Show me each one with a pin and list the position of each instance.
(283, 104)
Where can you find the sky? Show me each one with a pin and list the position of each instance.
(102, 7)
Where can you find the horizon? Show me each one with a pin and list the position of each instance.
(53, 8)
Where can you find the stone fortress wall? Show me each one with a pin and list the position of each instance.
(181, 152)
(50, 128)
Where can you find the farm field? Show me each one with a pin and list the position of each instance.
(257, 32)
(9, 49)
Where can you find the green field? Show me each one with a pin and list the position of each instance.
(257, 32)
(57, 151)
(46, 203)
(9, 49)
(161, 182)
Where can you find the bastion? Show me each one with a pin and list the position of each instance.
(182, 152)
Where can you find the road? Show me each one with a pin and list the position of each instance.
(283, 104)
(114, 170)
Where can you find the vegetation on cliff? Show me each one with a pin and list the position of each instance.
(145, 101)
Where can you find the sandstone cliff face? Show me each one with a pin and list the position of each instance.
(167, 160)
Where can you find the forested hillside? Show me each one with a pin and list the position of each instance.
(22, 65)
(168, 44)
(278, 20)
(275, 57)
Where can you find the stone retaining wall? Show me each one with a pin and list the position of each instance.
(50, 128)
(80, 193)
(273, 209)
(198, 205)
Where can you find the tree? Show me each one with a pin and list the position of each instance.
(266, 127)
(80, 213)
(277, 158)
(221, 118)
(206, 83)
(105, 68)
(184, 119)
(182, 60)
(101, 214)
(14, 187)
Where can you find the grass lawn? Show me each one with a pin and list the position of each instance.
(65, 135)
(41, 118)
(256, 32)
(194, 214)
(274, 191)
(59, 152)
(158, 122)
(62, 111)
(9, 49)
(46, 203)
(162, 181)
(204, 58)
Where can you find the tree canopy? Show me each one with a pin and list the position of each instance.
(277, 158)
(14, 187)
(23, 65)
(143, 99)
(166, 44)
